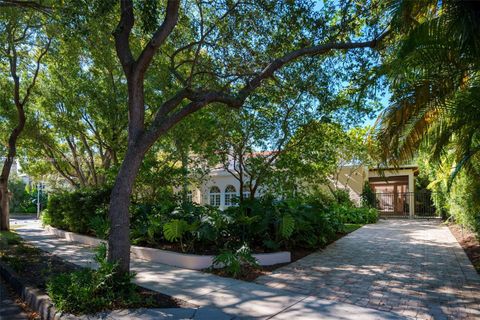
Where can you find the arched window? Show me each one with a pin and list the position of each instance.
(246, 193)
(230, 193)
(215, 196)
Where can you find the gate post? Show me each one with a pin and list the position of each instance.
(411, 206)
(411, 188)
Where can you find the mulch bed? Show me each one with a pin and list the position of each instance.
(250, 273)
(469, 243)
(35, 267)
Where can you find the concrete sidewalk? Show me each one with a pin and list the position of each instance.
(216, 297)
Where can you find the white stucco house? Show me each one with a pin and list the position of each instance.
(394, 187)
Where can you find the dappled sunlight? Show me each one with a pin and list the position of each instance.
(399, 266)
(387, 270)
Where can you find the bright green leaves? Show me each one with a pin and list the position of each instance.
(175, 229)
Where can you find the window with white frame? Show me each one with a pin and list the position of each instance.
(215, 196)
(189, 196)
(230, 194)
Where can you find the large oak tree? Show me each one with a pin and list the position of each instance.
(218, 52)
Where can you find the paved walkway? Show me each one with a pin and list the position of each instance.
(412, 268)
(218, 298)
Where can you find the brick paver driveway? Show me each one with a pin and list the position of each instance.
(413, 268)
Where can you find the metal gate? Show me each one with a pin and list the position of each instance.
(405, 204)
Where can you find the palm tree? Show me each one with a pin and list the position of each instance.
(434, 73)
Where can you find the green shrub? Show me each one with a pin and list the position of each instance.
(463, 201)
(75, 210)
(342, 197)
(368, 196)
(357, 215)
(25, 198)
(234, 261)
(87, 291)
(265, 223)
(274, 224)
(460, 202)
(319, 198)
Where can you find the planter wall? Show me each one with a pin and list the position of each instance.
(176, 259)
(70, 236)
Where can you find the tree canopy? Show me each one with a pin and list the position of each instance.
(128, 87)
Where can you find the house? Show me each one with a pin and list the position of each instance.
(394, 187)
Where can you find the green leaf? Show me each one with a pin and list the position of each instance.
(175, 229)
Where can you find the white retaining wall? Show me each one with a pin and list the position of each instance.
(176, 259)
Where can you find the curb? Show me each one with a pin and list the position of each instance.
(35, 299)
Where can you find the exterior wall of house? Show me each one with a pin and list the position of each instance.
(221, 179)
(351, 178)
(389, 173)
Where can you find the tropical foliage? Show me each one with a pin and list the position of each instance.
(87, 291)
(263, 224)
(434, 74)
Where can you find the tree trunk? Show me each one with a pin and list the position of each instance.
(119, 238)
(7, 167)
(4, 207)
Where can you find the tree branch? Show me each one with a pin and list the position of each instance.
(278, 63)
(35, 74)
(159, 37)
(162, 122)
(122, 35)
(27, 5)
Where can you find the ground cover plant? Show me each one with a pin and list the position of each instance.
(74, 289)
